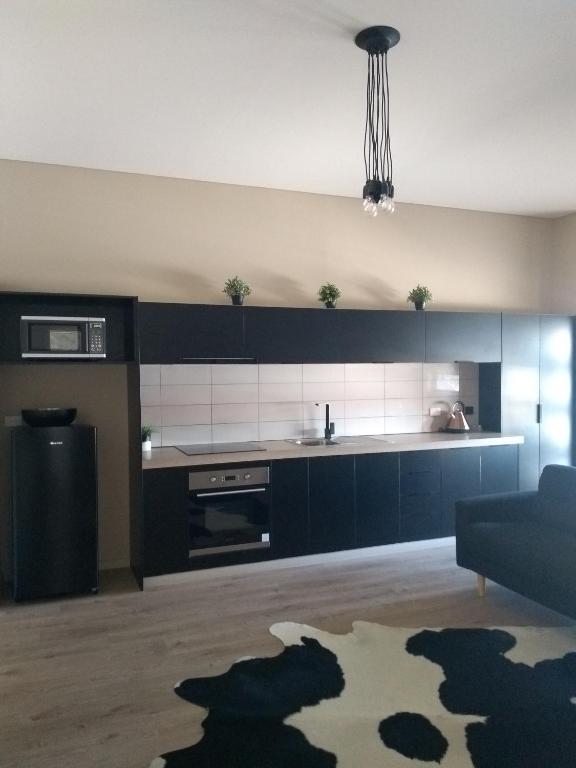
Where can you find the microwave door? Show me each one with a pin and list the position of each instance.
(54, 337)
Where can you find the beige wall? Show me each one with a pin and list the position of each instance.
(66, 229)
(100, 395)
(560, 278)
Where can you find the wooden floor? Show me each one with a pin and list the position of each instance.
(89, 682)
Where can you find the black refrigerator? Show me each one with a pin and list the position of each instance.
(54, 511)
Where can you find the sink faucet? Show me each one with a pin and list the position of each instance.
(329, 425)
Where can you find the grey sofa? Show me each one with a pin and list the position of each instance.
(525, 541)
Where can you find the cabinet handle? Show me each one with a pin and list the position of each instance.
(234, 359)
(538, 413)
(229, 493)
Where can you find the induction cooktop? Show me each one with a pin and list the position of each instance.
(200, 448)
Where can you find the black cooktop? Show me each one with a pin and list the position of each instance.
(193, 450)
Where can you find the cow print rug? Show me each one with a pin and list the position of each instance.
(384, 697)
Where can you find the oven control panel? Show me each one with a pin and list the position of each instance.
(237, 477)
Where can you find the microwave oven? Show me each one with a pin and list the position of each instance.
(45, 337)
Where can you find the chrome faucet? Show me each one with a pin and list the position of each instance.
(329, 425)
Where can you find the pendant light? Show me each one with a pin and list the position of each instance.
(378, 191)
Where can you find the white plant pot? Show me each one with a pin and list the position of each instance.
(146, 445)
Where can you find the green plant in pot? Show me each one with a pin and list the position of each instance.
(147, 437)
(329, 294)
(237, 289)
(419, 296)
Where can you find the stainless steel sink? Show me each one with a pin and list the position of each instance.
(311, 441)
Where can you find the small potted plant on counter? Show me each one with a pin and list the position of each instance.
(419, 296)
(147, 438)
(237, 289)
(329, 294)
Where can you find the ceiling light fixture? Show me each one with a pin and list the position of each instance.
(378, 191)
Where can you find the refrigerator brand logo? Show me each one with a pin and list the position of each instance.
(56, 442)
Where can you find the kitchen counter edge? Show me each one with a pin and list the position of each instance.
(167, 458)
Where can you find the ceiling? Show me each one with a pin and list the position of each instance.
(270, 93)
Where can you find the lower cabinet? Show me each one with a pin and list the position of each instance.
(332, 505)
(377, 483)
(290, 521)
(461, 477)
(421, 510)
(499, 469)
(165, 521)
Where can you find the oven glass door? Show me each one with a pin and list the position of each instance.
(221, 521)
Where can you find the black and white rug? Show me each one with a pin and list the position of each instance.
(384, 697)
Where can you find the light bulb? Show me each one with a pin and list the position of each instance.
(383, 202)
(366, 202)
(392, 206)
(374, 211)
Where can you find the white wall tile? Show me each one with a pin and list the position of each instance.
(447, 385)
(364, 426)
(235, 393)
(313, 412)
(285, 373)
(280, 393)
(149, 375)
(323, 372)
(151, 416)
(401, 406)
(435, 370)
(185, 394)
(157, 437)
(150, 396)
(234, 413)
(234, 374)
(364, 390)
(186, 435)
(186, 415)
(355, 409)
(323, 392)
(281, 412)
(234, 433)
(403, 372)
(395, 425)
(172, 375)
(364, 371)
(315, 428)
(403, 389)
(444, 404)
(280, 430)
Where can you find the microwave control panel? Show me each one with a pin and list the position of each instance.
(97, 338)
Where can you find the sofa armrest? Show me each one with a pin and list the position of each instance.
(496, 508)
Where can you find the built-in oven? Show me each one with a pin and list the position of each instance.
(46, 337)
(229, 510)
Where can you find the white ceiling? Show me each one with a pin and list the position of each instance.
(270, 93)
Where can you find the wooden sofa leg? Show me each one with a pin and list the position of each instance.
(481, 585)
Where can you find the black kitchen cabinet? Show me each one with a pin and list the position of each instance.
(556, 357)
(373, 336)
(421, 502)
(191, 333)
(377, 500)
(165, 521)
(289, 516)
(460, 478)
(332, 508)
(463, 336)
(278, 335)
(499, 469)
(520, 388)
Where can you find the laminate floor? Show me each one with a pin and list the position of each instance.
(88, 682)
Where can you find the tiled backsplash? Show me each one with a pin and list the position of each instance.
(229, 403)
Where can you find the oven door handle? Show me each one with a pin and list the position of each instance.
(230, 493)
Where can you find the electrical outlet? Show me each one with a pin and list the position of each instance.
(468, 410)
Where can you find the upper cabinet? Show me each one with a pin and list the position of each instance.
(191, 333)
(463, 336)
(381, 336)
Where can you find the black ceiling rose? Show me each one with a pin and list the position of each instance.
(377, 39)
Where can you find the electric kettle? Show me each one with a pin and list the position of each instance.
(457, 421)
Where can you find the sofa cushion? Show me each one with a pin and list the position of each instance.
(556, 502)
(528, 550)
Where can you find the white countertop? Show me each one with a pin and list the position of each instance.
(163, 458)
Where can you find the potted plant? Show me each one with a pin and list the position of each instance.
(329, 294)
(419, 296)
(147, 438)
(237, 289)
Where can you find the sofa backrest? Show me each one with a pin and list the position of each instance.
(557, 496)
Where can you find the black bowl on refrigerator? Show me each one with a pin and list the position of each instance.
(48, 417)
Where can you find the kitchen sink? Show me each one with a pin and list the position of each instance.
(310, 441)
